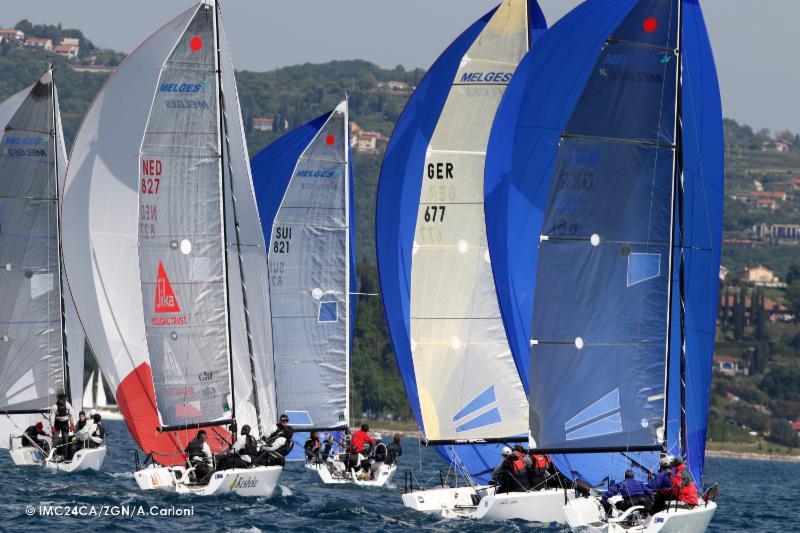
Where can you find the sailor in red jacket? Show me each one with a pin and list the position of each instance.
(359, 440)
(683, 486)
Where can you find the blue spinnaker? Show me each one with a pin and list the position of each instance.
(539, 106)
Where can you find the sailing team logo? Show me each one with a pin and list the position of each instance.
(165, 297)
(166, 301)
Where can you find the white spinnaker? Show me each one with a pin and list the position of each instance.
(467, 380)
(100, 393)
(252, 252)
(99, 237)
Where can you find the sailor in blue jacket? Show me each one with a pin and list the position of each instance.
(633, 492)
(661, 484)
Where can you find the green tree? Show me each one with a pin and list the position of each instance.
(793, 298)
(738, 316)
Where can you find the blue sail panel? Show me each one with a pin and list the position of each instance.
(703, 162)
(521, 155)
(626, 97)
(601, 307)
(651, 22)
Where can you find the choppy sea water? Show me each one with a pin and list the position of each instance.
(755, 496)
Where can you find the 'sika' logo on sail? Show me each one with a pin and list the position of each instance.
(165, 297)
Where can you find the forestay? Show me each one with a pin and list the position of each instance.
(304, 188)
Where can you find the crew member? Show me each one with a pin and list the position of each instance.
(379, 455)
(62, 422)
(394, 450)
(83, 431)
(509, 474)
(326, 447)
(683, 486)
(312, 447)
(98, 436)
(661, 484)
(31, 437)
(277, 445)
(360, 438)
(199, 457)
(633, 492)
(242, 452)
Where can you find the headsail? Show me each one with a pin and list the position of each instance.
(303, 186)
(169, 329)
(617, 168)
(435, 268)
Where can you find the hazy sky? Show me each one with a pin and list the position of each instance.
(753, 40)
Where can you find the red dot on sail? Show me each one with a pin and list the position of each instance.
(650, 25)
(196, 43)
(330, 139)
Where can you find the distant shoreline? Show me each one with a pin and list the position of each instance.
(725, 454)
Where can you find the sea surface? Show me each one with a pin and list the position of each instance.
(755, 496)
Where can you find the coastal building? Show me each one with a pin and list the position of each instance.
(729, 366)
(11, 35)
(67, 50)
(777, 232)
(759, 275)
(366, 142)
(263, 124)
(39, 42)
(723, 273)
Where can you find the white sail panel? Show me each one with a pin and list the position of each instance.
(32, 367)
(466, 377)
(180, 226)
(309, 261)
(100, 230)
(253, 370)
(88, 393)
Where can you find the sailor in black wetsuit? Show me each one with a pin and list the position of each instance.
(62, 422)
(199, 457)
(31, 437)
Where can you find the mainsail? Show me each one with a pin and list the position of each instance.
(39, 357)
(159, 241)
(435, 267)
(618, 173)
(304, 190)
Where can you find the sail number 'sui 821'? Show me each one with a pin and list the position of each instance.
(283, 236)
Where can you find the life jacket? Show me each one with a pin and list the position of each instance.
(380, 452)
(286, 433)
(540, 464)
(517, 463)
(195, 449)
(683, 486)
(250, 446)
(62, 413)
(310, 444)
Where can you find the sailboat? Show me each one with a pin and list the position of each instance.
(606, 201)
(165, 255)
(94, 398)
(304, 189)
(462, 379)
(41, 350)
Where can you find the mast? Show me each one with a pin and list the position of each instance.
(676, 218)
(225, 141)
(347, 258)
(221, 150)
(62, 314)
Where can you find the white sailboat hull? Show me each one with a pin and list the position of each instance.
(86, 459)
(259, 481)
(586, 514)
(483, 503)
(334, 473)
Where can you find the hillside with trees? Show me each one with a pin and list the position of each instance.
(756, 389)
